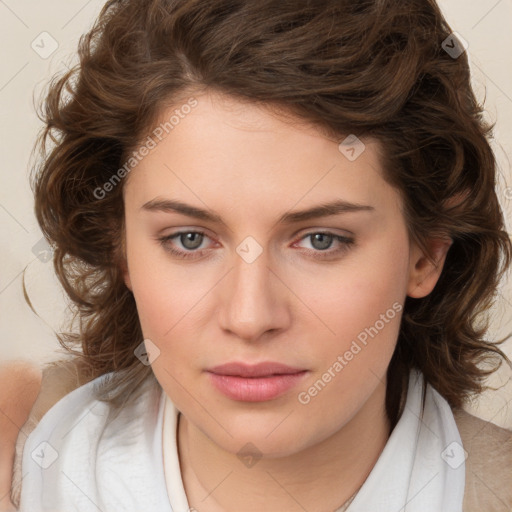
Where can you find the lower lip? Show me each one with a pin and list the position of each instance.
(255, 389)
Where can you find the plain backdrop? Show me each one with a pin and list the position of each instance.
(38, 39)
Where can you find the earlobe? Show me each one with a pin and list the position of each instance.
(424, 271)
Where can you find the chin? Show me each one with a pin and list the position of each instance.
(272, 434)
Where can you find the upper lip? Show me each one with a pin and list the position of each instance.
(254, 370)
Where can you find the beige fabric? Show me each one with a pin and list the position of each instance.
(488, 464)
(58, 379)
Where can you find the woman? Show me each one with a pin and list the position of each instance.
(315, 355)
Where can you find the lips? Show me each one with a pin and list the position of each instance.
(256, 370)
(255, 383)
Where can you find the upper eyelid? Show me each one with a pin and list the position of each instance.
(305, 230)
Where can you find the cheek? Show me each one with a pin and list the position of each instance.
(364, 311)
(163, 291)
(354, 294)
(362, 306)
(375, 294)
(169, 314)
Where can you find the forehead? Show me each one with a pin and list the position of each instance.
(245, 152)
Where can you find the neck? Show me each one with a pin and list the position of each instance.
(322, 477)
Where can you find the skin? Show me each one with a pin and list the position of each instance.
(250, 166)
(27, 392)
(20, 382)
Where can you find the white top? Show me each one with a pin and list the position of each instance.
(175, 489)
(81, 458)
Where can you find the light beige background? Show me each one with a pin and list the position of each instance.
(486, 25)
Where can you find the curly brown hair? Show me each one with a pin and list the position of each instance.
(377, 68)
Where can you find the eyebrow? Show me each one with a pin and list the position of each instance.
(322, 210)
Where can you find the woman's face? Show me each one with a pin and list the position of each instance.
(261, 283)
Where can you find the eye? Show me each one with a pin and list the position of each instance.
(190, 240)
(323, 240)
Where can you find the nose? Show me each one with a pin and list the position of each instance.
(255, 302)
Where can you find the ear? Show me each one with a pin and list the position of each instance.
(424, 271)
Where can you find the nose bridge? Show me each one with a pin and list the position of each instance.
(251, 277)
(251, 304)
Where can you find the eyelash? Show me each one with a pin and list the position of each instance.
(345, 241)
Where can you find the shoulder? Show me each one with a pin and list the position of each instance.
(56, 380)
(20, 381)
(488, 464)
(84, 444)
